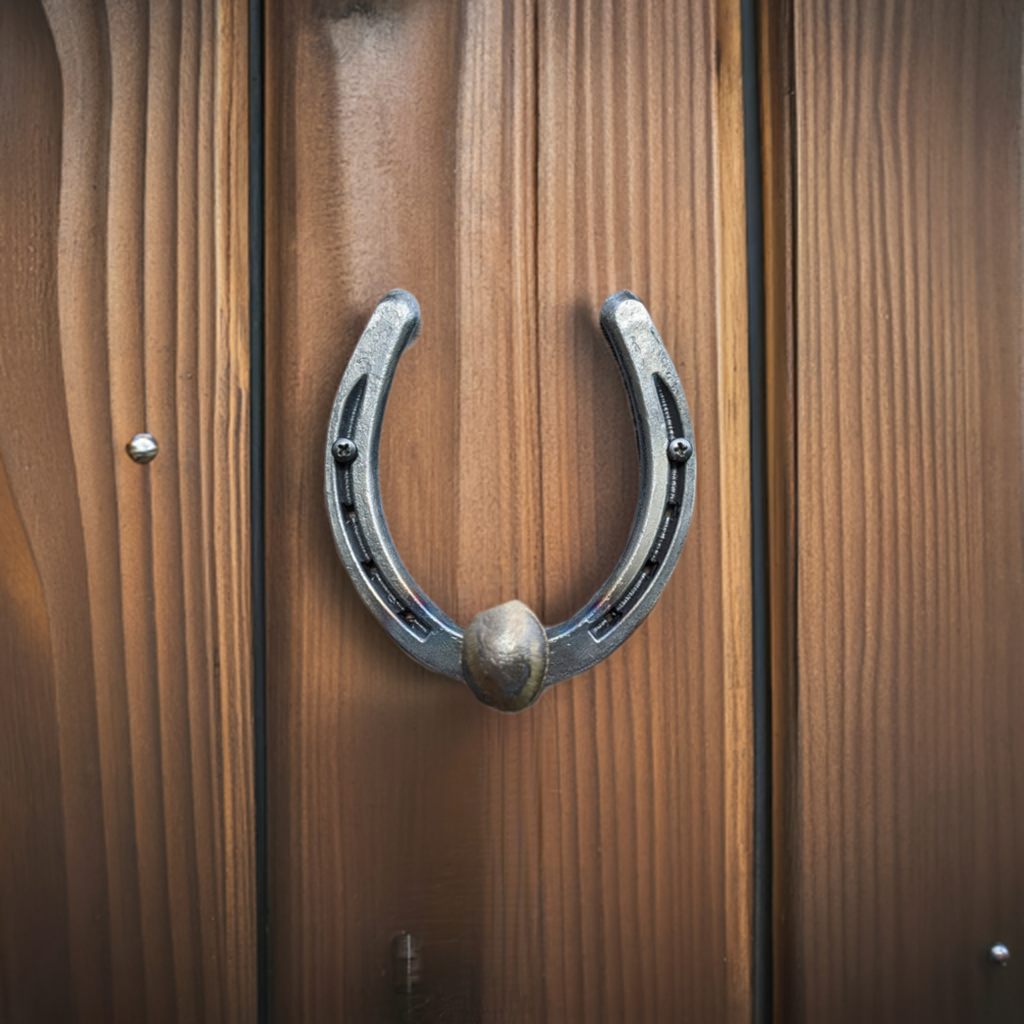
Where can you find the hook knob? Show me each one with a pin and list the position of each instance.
(505, 655)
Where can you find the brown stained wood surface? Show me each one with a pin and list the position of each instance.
(126, 873)
(511, 165)
(905, 836)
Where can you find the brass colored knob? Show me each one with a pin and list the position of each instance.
(505, 655)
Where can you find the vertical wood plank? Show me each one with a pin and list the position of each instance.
(375, 767)
(904, 780)
(511, 165)
(127, 652)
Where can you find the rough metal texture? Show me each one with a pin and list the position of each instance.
(667, 487)
(505, 656)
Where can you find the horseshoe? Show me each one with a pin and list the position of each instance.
(506, 657)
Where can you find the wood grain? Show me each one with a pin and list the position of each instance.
(906, 781)
(126, 876)
(511, 165)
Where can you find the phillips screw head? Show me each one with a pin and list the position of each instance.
(679, 449)
(344, 450)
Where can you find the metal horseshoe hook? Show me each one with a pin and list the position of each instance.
(506, 656)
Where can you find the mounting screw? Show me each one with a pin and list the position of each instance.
(142, 448)
(999, 955)
(344, 450)
(679, 449)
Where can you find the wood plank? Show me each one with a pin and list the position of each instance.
(905, 781)
(126, 872)
(511, 165)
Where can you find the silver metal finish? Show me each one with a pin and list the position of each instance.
(999, 954)
(142, 448)
(344, 450)
(679, 449)
(500, 660)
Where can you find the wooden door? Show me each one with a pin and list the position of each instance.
(511, 165)
(126, 861)
(895, 322)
